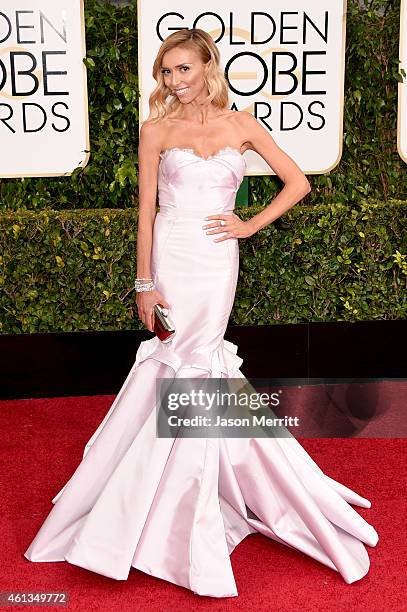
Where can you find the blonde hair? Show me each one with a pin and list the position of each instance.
(214, 78)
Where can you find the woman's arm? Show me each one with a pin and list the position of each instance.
(148, 160)
(296, 183)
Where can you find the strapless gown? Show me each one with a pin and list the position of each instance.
(176, 508)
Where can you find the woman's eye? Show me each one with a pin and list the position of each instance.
(165, 71)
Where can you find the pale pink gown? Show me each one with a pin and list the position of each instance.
(176, 508)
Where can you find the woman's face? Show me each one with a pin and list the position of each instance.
(183, 73)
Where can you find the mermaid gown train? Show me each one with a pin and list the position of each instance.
(176, 508)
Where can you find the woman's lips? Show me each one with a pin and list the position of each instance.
(182, 91)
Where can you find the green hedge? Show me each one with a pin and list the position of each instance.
(370, 166)
(74, 270)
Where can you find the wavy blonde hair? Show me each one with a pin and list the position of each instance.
(214, 78)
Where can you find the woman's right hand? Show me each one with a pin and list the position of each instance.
(145, 304)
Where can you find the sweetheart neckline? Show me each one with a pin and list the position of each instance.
(193, 152)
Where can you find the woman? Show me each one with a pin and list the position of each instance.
(177, 507)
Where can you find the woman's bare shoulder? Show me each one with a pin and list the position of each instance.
(152, 133)
(240, 119)
(154, 125)
(244, 116)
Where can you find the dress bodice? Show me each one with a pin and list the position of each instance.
(190, 184)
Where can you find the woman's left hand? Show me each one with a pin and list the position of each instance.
(232, 225)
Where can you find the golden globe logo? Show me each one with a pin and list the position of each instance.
(284, 63)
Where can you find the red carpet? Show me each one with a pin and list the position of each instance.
(42, 443)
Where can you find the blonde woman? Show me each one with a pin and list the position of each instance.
(176, 508)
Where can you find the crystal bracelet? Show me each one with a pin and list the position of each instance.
(139, 285)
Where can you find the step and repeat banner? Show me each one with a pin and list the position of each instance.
(43, 88)
(284, 62)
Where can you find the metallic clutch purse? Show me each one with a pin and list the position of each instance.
(164, 328)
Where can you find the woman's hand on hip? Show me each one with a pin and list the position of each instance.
(229, 224)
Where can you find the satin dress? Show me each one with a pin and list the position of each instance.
(176, 508)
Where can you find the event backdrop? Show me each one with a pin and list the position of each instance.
(284, 62)
(43, 90)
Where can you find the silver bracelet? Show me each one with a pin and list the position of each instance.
(139, 285)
